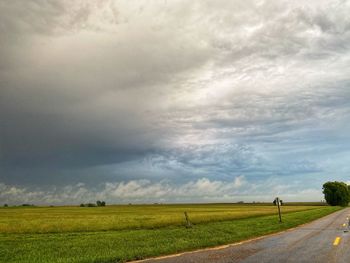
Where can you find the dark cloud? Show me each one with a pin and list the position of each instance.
(194, 94)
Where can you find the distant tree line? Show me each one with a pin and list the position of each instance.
(6, 205)
(336, 193)
(98, 203)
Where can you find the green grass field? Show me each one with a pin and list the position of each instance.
(120, 233)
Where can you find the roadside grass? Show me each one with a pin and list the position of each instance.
(128, 244)
(121, 217)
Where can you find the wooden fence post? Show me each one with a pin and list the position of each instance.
(188, 223)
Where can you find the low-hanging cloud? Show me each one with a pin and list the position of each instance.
(144, 191)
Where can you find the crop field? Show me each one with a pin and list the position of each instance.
(78, 219)
(126, 232)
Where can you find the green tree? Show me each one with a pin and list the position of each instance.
(336, 193)
(100, 203)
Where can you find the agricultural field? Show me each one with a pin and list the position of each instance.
(127, 232)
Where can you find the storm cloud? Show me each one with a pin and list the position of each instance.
(134, 98)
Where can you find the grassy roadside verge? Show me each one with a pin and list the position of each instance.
(119, 246)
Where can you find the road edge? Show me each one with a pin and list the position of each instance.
(230, 244)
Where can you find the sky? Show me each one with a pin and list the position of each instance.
(173, 101)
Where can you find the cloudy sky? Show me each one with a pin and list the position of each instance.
(173, 101)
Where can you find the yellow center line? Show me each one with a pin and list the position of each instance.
(336, 241)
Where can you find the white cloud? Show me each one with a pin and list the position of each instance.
(144, 191)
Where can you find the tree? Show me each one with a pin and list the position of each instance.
(100, 203)
(336, 193)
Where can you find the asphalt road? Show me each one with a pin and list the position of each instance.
(324, 240)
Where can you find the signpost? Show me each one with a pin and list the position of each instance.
(279, 209)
